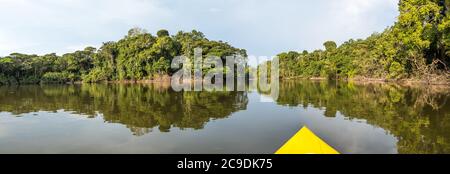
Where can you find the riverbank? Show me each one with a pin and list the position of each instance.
(442, 81)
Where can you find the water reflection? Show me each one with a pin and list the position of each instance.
(418, 117)
(354, 118)
(139, 107)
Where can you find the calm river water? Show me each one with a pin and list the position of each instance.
(353, 118)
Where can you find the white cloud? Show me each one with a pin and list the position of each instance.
(263, 27)
(361, 15)
(215, 10)
(7, 43)
(54, 25)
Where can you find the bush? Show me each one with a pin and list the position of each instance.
(56, 77)
(7, 80)
(30, 80)
(96, 75)
(396, 70)
(3, 80)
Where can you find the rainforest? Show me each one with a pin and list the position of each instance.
(416, 47)
(381, 93)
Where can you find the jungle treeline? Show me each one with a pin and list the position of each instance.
(138, 56)
(417, 47)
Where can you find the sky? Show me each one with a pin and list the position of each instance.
(262, 27)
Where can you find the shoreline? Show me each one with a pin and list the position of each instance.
(358, 80)
(368, 80)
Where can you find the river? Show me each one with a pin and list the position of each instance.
(152, 118)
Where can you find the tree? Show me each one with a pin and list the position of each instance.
(162, 33)
(330, 45)
(79, 63)
(416, 46)
(136, 31)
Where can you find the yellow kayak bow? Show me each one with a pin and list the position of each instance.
(306, 142)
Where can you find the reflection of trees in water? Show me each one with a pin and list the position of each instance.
(139, 107)
(418, 117)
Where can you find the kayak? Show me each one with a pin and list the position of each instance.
(306, 142)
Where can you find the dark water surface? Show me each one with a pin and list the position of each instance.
(375, 118)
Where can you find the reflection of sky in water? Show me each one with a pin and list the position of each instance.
(261, 128)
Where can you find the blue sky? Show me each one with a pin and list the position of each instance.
(263, 27)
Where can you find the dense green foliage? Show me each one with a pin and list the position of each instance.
(417, 46)
(138, 56)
